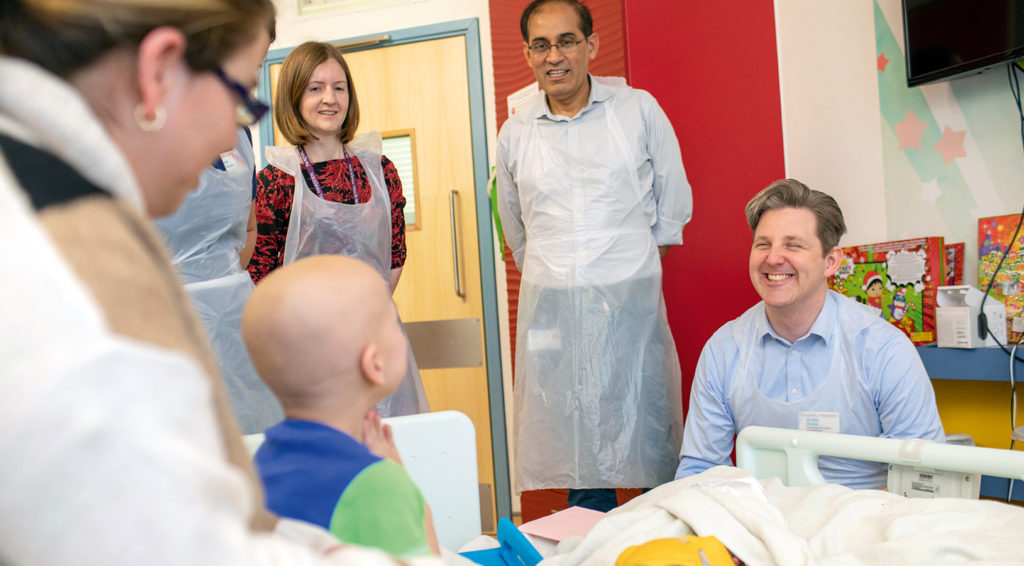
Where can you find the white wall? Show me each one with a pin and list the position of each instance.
(830, 110)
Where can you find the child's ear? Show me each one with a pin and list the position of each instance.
(370, 365)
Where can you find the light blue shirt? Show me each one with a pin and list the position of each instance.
(898, 398)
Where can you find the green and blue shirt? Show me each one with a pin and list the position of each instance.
(318, 474)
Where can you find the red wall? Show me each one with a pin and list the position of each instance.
(713, 68)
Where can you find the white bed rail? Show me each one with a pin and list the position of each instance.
(792, 455)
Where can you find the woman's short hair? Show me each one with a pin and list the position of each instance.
(790, 193)
(66, 36)
(295, 73)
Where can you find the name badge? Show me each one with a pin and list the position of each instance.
(819, 421)
(230, 159)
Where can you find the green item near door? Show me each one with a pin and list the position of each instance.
(492, 188)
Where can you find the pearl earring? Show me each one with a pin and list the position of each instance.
(150, 125)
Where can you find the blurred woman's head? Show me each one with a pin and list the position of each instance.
(170, 80)
(315, 95)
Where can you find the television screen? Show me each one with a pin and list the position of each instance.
(946, 39)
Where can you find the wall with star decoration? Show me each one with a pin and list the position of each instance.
(902, 162)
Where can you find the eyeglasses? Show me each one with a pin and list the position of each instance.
(249, 109)
(563, 45)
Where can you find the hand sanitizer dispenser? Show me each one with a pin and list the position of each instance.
(956, 318)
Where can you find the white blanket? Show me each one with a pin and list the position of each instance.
(765, 522)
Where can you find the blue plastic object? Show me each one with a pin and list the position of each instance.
(515, 549)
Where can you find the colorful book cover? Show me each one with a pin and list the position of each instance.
(994, 235)
(954, 269)
(899, 278)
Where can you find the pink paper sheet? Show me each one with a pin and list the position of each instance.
(571, 522)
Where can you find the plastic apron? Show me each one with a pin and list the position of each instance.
(205, 236)
(842, 392)
(362, 231)
(597, 399)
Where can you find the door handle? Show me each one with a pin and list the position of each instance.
(455, 243)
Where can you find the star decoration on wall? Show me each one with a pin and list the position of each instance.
(951, 145)
(909, 131)
(882, 62)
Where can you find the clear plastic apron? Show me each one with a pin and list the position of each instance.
(363, 231)
(841, 392)
(205, 237)
(597, 391)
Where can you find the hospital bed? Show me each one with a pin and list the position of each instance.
(439, 452)
(776, 508)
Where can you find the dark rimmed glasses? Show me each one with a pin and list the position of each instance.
(249, 109)
(564, 46)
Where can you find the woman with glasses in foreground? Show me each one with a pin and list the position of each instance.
(119, 443)
(331, 192)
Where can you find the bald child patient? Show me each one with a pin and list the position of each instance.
(324, 335)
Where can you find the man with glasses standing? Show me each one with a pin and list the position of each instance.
(592, 192)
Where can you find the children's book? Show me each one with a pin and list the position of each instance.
(994, 234)
(899, 279)
(954, 268)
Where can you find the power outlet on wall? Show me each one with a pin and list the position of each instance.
(1018, 323)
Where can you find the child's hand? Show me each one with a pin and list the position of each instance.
(378, 438)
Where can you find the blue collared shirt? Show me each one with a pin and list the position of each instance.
(892, 373)
(789, 372)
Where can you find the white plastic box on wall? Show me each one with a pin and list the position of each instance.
(956, 318)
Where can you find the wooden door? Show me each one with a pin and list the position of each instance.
(421, 89)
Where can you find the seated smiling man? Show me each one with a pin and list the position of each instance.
(805, 357)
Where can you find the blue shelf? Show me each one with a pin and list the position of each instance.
(978, 364)
(998, 487)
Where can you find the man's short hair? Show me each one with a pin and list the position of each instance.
(586, 20)
(790, 193)
(295, 73)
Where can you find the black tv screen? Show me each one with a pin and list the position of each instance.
(947, 39)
